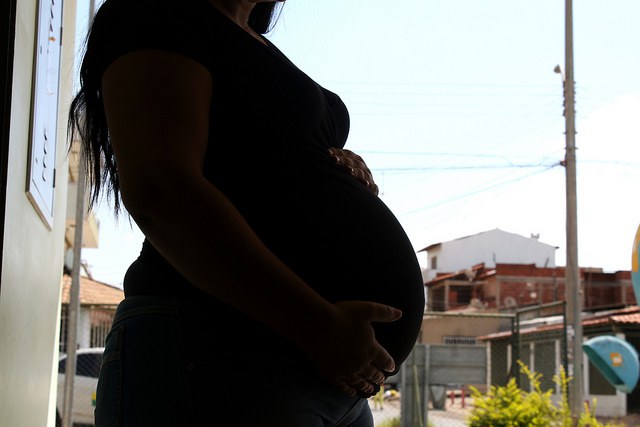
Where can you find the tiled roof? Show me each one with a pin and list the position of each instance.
(523, 331)
(627, 316)
(627, 319)
(92, 292)
(478, 270)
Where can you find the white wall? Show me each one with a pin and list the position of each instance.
(490, 247)
(33, 254)
(84, 328)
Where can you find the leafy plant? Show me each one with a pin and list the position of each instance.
(510, 406)
(588, 417)
(566, 420)
(391, 422)
(395, 422)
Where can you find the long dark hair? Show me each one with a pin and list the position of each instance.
(87, 122)
(263, 17)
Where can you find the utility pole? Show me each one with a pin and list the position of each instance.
(573, 292)
(73, 310)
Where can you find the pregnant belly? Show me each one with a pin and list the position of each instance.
(365, 257)
(394, 278)
(342, 240)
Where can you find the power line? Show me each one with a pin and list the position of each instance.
(476, 192)
(466, 167)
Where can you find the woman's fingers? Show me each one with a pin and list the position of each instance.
(365, 388)
(348, 158)
(347, 353)
(375, 376)
(383, 313)
(355, 166)
(345, 388)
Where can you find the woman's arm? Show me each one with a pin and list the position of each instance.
(157, 106)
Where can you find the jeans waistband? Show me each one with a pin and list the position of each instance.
(137, 305)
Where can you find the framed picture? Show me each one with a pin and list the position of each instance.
(44, 122)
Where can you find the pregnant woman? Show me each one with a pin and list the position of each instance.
(273, 288)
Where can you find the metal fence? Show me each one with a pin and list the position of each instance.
(93, 325)
(435, 390)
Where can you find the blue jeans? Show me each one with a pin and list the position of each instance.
(167, 363)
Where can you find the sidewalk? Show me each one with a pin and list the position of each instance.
(390, 410)
(453, 416)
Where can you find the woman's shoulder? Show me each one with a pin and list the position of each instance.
(190, 27)
(157, 19)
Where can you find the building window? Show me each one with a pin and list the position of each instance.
(434, 262)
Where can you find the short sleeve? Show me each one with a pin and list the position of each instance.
(180, 26)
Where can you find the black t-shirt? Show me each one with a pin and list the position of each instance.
(270, 128)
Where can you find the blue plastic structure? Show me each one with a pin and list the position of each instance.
(616, 359)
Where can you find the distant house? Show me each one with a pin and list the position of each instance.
(503, 291)
(98, 302)
(509, 286)
(488, 248)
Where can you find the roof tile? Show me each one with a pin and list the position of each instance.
(92, 292)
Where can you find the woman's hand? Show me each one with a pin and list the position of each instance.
(344, 349)
(355, 166)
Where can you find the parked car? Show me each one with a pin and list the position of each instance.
(84, 389)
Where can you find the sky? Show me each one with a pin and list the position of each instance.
(456, 108)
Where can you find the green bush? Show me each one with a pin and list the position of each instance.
(509, 406)
(395, 422)
(392, 422)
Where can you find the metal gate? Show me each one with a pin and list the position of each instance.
(435, 379)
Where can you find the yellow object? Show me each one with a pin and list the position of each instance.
(616, 359)
(378, 398)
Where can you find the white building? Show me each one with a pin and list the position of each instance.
(489, 247)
